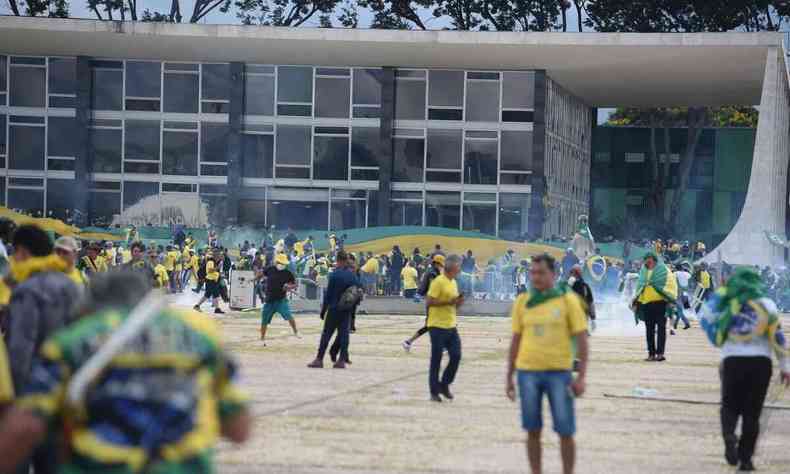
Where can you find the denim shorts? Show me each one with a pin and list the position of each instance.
(532, 385)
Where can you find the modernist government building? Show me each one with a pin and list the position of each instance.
(148, 123)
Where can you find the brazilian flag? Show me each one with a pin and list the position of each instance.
(662, 280)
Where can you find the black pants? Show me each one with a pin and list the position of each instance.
(442, 339)
(339, 321)
(655, 325)
(744, 384)
(335, 349)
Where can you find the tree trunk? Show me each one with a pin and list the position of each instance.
(696, 120)
(564, 18)
(14, 7)
(579, 4)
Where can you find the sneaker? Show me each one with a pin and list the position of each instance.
(339, 365)
(436, 398)
(316, 364)
(406, 346)
(671, 332)
(297, 335)
(651, 358)
(196, 308)
(731, 452)
(445, 391)
(746, 466)
(686, 327)
(660, 358)
(218, 311)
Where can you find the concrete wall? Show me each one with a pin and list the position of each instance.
(766, 201)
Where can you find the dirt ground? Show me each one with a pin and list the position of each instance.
(375, 417)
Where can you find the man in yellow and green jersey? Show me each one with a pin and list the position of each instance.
(159, 406)
(443, 299)
(546, 320)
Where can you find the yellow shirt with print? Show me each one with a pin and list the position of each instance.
(160, 273)
(443, 290)
(649, 294)
(170, 260)
(409, 275)
(547, 331)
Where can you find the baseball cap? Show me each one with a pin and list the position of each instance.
(66, 243)
(281, 258)
(438, 259)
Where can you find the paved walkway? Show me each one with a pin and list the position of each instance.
(375, 417)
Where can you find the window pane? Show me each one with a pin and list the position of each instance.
(144, 194)
(141, 167)
(26, 148)
(302, 215)
(408, 158)
(513, 215)
(365, 146)
(62, 76)
(507, 178)
(103, 207)
(295, 110)
(443, 176)
(444, 149)
(214, 141)
(480, 218)
(28, 86)
(2, 135)
(143, 79)
(410, 100)
(518, 90)
(259, 95)
(292, 173)
(3, 72)
(142, 140)
(446, 88)
(216, 81)
(28, 201)
(181, 93)
(516, 151)
(295, 84)
(367, 86)
(107, 90)
(331, 158)
(179, 153)
(332, 97)
(258, 155)
(62, 137)
(60, 198)
(106, 150)
(443, 210)
(347, 215)
(143, 105)
(405, 213)
(480, 162)
(293, 145)
(482, 101)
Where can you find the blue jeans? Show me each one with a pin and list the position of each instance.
(442, 339)
(532, 385)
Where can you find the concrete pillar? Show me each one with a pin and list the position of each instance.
(234, 152)
(766, 200)
(82, 158)
(387, 121)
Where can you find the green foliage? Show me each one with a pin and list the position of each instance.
(725, 116)
(282, 12)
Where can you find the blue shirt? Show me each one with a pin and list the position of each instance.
(339, 281)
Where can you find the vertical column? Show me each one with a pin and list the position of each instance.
(234, 152)
(82, 158)
(385, 145)
(539, 188)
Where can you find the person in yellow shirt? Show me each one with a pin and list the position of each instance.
(194, 264)
(109, 254)
(66, 248)
(6, 383)
(172, 265)
(370, 274)
(657, 289)
(299, 248)
(126, 255)
(213, 288)
(161, 277)
(546, 320)
(409, 276)
(443, 300)
(92, 263)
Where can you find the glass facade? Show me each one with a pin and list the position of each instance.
(159, 125)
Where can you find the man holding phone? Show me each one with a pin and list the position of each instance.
(546, 320)
(443, 300)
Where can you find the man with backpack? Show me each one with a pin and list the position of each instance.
(437, 264)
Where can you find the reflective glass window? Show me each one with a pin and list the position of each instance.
(293, 145)
(480, 218)
(518, 90)
(29, 201)
(367, 86)
(409, 100)
(408, 159)
(62, 136)
(259, 95)
(62, 75)
(25, 147)
(330, 157)
(446, 88)
(480, 162)
(143, 79)
(179, 153)
(365, 145)
(332, 96)
(28, 86)
(107, 93)
(181, 93)
(60, 198)
(142, 140)
(106, 150)
(216, 82)
(214, 141)
(444, 149)
(258, 155)
(482, 101)
(295, 84)
(513, 215)
(516, 150)
(443, 209)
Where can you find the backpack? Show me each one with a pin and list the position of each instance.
(350, 298)
(425, 284)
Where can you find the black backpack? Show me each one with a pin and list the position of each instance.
(350, 298)
(425, 284)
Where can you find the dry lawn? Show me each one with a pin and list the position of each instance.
(375, 417)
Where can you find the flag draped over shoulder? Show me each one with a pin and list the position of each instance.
(662, 280)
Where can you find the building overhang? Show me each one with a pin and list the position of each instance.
(602, 69)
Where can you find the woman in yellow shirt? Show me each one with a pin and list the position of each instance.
(409, 276)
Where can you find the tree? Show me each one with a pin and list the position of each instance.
(281, 12)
